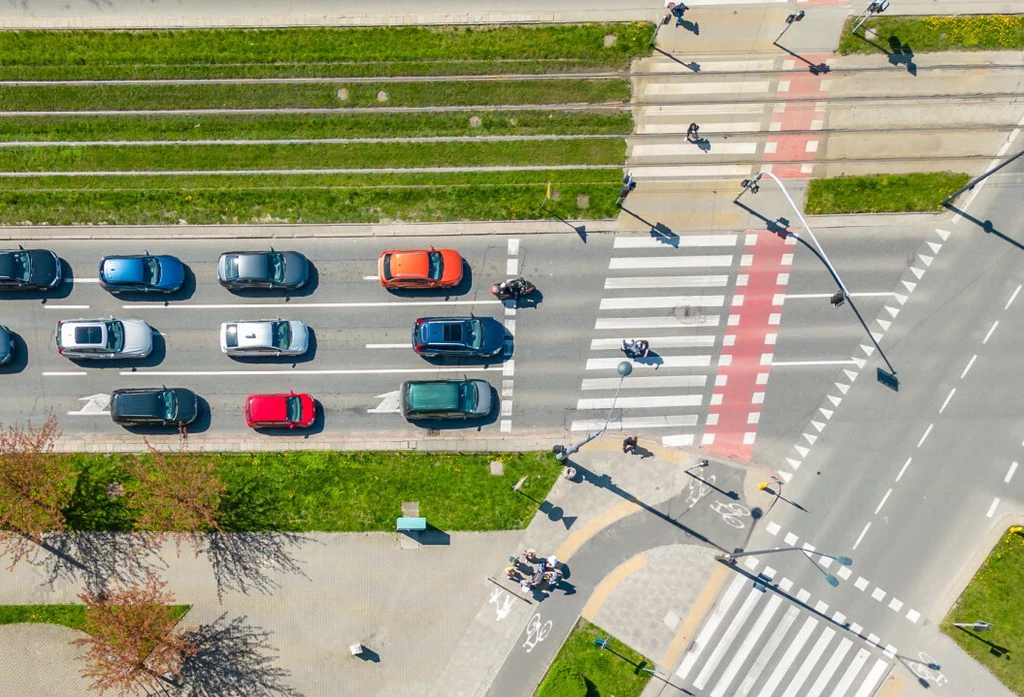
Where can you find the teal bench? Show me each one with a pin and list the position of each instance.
(412, 524)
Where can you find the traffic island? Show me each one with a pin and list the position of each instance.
(591, 662)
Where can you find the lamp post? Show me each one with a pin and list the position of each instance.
(795, 17)
(978, 626)
(562, 454)
(832, 580)
(874, 7)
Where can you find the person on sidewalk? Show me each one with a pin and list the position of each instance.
(513, 573)
(629, 444)
(677, 9)
(692, 133)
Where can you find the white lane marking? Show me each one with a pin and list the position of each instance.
(636, 422)
(711, 626)
(391, 403)
(819, 296)
(992, 508)
(769, 649)
(76, 279)
(831, 665)
(388, 346)
(650, 242)
(787, 658)
(874, 675)
(882, 502)
(62, 374)
(969, 364)
(664, 362)
(670, 262)
(925, 435)
(991, 329)
(307, 306)
(807, 666)
(1009, 474)
(678, 441)
(746, 647)
(691, 341)
(628, 282)
(713, 128)
(374, 277)
(662, 301)
(676, 149)
(678, 88)
(512, 267)
(948, 397)
(663, 381)
(66, 307)
(672, 400)
(791, 364)
(698, 109)
(861, 535)
(1012, 298)
(609, 323)
(300, 372)
(851, 672)
(725, 641)
(95, 404)
(904, 468)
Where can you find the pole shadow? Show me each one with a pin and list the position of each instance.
(987, 226)
(995, 649)
(812, 68)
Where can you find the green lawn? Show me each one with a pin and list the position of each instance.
(935, 33)
(67, 615)
(581, 669)
(994, 596)
(302, 126)
(883, 193)
(355, 51)
(329, 491)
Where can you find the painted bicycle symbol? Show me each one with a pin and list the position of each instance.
(536, 632)
(502, 601)
(698, 489)
(732, 513)
(927, 669)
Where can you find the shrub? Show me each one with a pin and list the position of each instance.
(562, 681)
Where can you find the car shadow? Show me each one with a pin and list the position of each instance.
(185, 292)
(308, 356)
(305, 291)
(20, 359)
(155, 358)
(465, 285)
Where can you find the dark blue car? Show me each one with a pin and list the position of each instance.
(458, 336)
(141, 273)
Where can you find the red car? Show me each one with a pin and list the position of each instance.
(279, 410)
(420, 268)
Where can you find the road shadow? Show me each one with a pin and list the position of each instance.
(97, 558)
(651, 359)
(155, 358)
(233, 659)
(531, 299)
(812, 68)
(434, 537)
(185, 292)
(19, 361)
(898, 53)
(993, 648)
(556, 513)
(307, 357)
(266, 293)
(987, 226)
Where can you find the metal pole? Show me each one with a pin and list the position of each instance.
(624, 369)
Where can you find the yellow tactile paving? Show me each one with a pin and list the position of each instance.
(893, 686)
(610, 583)
(594, 526)
(696, 614)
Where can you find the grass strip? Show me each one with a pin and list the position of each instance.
(902, 35)
(883, 193)
(306, 491)
(72, 616)
(611, 45)
(584, 668)
(115, 97)
(122, 158)
(993, 596)
(273, 126)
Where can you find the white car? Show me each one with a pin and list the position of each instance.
(104, 338)
(265, 337)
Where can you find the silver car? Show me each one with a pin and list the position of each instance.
(265, 337)
(104, 338)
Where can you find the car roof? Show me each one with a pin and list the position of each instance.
(144, 402)
(93, 332)
(440, 395)
(254, 334)
(268, 407)
(253, 264)
(124, 269)
(410, 264)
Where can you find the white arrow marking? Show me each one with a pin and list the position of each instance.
(389, 404)
(94, 404)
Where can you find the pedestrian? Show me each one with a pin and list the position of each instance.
(512, 573)
(629, 444)
(677, 9)
(531, 556)
(691, 133)
(552, 562)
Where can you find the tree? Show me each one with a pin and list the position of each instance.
(177, 495)
(131, 639)
(35, 487)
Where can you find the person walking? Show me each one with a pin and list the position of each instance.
(677, 9)
(629, 444)
(692, 135)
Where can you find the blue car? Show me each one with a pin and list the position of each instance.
(141, 273)
(479, 337)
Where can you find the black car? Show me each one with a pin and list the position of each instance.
(6, 346)
(458, 336)
(154, 406)
(269, 270)
(29, 269)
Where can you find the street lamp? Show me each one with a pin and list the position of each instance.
(832, 580)
(561, 452)
(873, 8)
(978, 626)
(628, 184)
(790, 20)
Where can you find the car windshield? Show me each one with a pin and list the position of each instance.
(436, 265)
(467, 396)
(231, 267)
(150, 271)
(474, 335)
(170, 405)
(275, 267)
(115, 336)
(282, 335)
(22, 263)
(294, 409)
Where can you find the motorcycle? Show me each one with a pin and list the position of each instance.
(514, 289)
(636, 348)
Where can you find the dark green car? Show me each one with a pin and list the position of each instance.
(447, 399)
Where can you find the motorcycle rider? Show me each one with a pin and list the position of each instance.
(637, 347)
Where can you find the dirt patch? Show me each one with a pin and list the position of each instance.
(610, 39)
(512, 120)
(582, 201)
(382, 96)
(475, 121)
(556, 195)
(343, 94)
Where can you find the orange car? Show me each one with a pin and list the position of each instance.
(420, 268)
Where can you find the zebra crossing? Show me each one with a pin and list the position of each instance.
(676, 293)
(802, 653)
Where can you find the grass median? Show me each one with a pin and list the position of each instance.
(331, 491)
(582, 668)
(354, 51)
(928, 34)
(993, 596)
(72, 616)
(882, 193)
(260, 199)
(312, 126)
